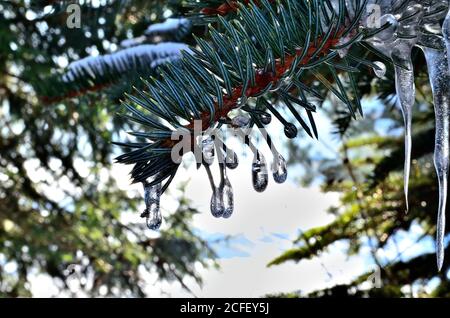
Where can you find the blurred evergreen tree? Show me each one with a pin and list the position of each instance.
(60, 203)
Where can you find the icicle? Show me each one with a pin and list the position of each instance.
(404, 85)
(232, 161)
(152, 212)
(439, 78)
(217, 204)
(380, 69)
(404, 81)
(208, 150)
(279, 169)
(399, 49)
(227, 194)
(259, 172)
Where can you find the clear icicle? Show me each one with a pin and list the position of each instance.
(231, 160)
(217, 204)
(439, 78)
(404, 85)
(279, 169)
(228, 201)
(152, 211)
(259, 172)
(399, 49)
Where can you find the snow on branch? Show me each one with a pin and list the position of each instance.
(150, 54)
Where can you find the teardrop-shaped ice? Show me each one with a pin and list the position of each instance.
(217, 204)
(208, 150)
(437, 63)
(232, 161)
(265, 118)
(259, 173)
(380, 69)
(228, 199)
(152, 211)
(279, 169)
(290, 130)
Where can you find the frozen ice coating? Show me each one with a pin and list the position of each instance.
(217, 203)
(153, 54)
(227, 192)
(152, 212)
(380, 69)
(170, 25)
(405, 24)
(259, 172)
(404, 85)
(439, 78)
(208, 150)
(279, 168)
(417, 23)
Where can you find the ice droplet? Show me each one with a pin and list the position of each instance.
(152, 212)
(217, 204)
(438, 71)
(290, 130)
(228, 200)
(380, 70)
(208, 150)
(259, 173)
(232, 161)
(279, 169)
(265, 118)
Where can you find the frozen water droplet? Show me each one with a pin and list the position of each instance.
(240, 121)
(380, 70)
(437, 63)
(228, 200)
(265, 118)
(259, 173)
(290, 130)
(152, 211)
(208, 150)
(279, 169)
(232, 161)
(217, 204)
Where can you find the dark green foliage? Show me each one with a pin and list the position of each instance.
(60, 202)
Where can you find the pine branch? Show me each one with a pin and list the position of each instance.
(260, 51)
